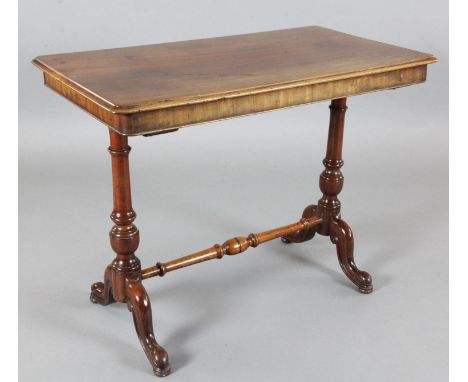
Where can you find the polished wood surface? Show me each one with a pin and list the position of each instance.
(122, 278)
(156, 88)
(232, 247)
(328, 208)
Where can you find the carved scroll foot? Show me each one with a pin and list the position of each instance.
(101, 292)
(140, 306)
(342, 236)
(301, 236)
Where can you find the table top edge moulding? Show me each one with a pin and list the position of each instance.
(190, 82)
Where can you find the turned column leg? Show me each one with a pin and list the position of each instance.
(124, 239)
(329, 206)
(124, 235)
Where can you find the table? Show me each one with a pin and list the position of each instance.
(156, 89)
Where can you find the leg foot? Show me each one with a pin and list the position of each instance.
(101, 292)
(140, 306)
(342, 236)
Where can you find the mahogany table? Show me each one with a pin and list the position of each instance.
(155, 89)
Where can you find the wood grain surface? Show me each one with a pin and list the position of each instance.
(153, 88)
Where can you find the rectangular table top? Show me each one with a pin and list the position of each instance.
(156, 88)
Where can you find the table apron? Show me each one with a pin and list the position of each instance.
(170, 118)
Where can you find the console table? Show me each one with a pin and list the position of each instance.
(155, 89)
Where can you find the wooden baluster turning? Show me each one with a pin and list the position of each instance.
(122, 279)
(328, 207)
(230, 247)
